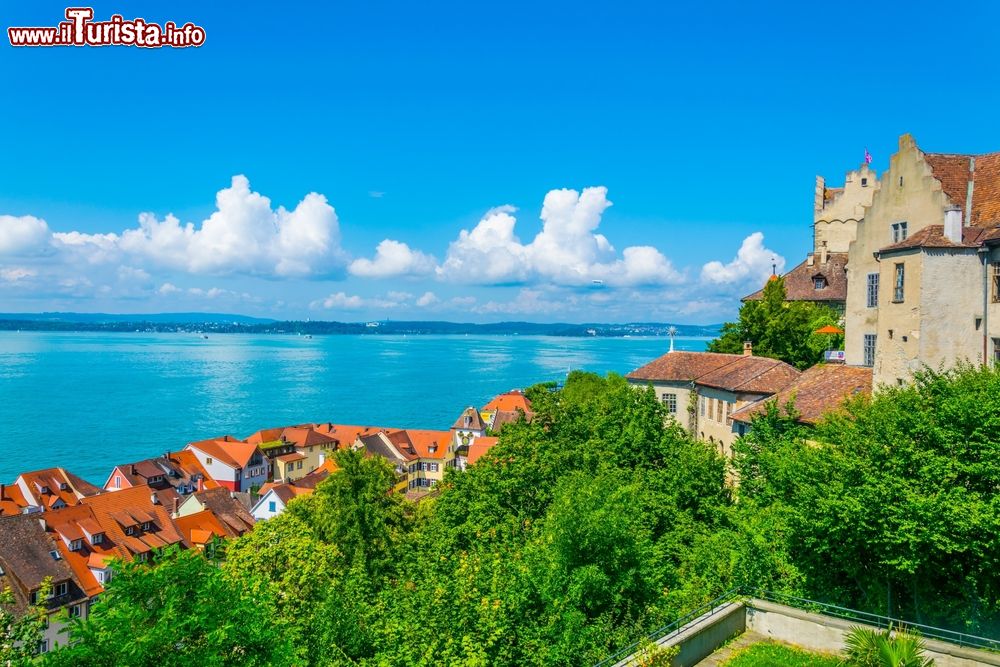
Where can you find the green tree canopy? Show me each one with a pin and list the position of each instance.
(780, 329)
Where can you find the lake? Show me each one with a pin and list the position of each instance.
(90, 401)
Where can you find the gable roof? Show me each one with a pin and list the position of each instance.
(799, 285)
(346, 434)
(932, 236)
(817, 391)
(11, 500)
(731, 372)
(510, 401)
(227, 450)
(479, 447)
(199, 528)
(957, 171)
(424, 441)
(52, 479)
(306, 436)
(176, 469)
(469, 419)
(26, 560)
(681, 366)
(228, 510)
(132, 507)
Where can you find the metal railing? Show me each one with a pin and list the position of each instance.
(962, 639)
(957, 637)
(666, 631)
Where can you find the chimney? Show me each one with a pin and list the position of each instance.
(201, 484)
(820, 196)
(810, 259)
(133, 469)
(177, 502)
(747, 348)
(953, 224)
(823, 255)
(3, 488)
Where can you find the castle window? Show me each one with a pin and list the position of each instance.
(864, 182)
(996, 351)
(869, 349)
(670, 400)
(897, 294)
(819, 282)
(996, 282)
(872, 290)
(899, 231)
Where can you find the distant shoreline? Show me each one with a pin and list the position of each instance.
(221, 324)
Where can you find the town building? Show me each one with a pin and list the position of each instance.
(229, 508)
(52, 488)
(171, 476)
(819, 391)
(506, 408)
(234, 464)
(701, 390)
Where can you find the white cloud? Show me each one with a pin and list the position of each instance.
(20, 236)
(339, 300)
(567, 251)
(427, 299)
(393, 259)
(16, 274)
(244, 236)
(751, 265)
(168, 288)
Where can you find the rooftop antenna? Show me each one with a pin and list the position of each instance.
(671, 331)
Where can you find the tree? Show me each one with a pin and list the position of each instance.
(21, 632)
(780, 329)
(867, 647)
(180, 610)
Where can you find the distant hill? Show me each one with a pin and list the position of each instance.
(172, 322)
(161, 318)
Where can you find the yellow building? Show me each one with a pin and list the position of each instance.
(701, 390)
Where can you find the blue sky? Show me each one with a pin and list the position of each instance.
(654, 139)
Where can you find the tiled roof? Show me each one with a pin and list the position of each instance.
(26, 561)
(510, 401)
(176, 469)
(266, 435)
(53, 479)
(751, 375)
(469, 419)
(227, 450)
(307, 437)
(229, 511)
(800, 286)
(479, 447)
(955, 171)
(817, 391)
(731, 372)
(346, 434)
(198, 529)
(932, 236)
(294, 456)
(503, 417)
(116, 511)
(423, 441)
(11, 500)
(681, 366)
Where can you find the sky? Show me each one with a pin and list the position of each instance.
(539, 161)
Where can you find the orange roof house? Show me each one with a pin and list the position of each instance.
(479, 447)
(53, 488)
(234, 464)
(12, 501)
(507, 408)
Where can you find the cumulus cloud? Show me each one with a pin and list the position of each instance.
(16, 274)
(427, 299)
(244, 235)
(393, 259)
(20, 236)
(168, 288)
(339, 300)
(567, 251)
(752, 264)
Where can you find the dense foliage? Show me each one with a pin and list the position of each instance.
(773, 654)
(587, 528)
(780, 329)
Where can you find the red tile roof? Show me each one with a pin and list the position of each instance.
(479, 447)
(11, 500)
(198, 529)
(956, 171)
(509, 402)
(800, 284)
(731, 372)
(469, 419)
(52, 480)
(307, 437)
(227, 450)
(132, 507)
(817, 391)
(932, 236)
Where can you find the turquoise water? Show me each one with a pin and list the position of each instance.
(89, 401)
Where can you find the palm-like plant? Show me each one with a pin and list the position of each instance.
(866, 647)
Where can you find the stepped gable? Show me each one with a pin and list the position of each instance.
(817, 391)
